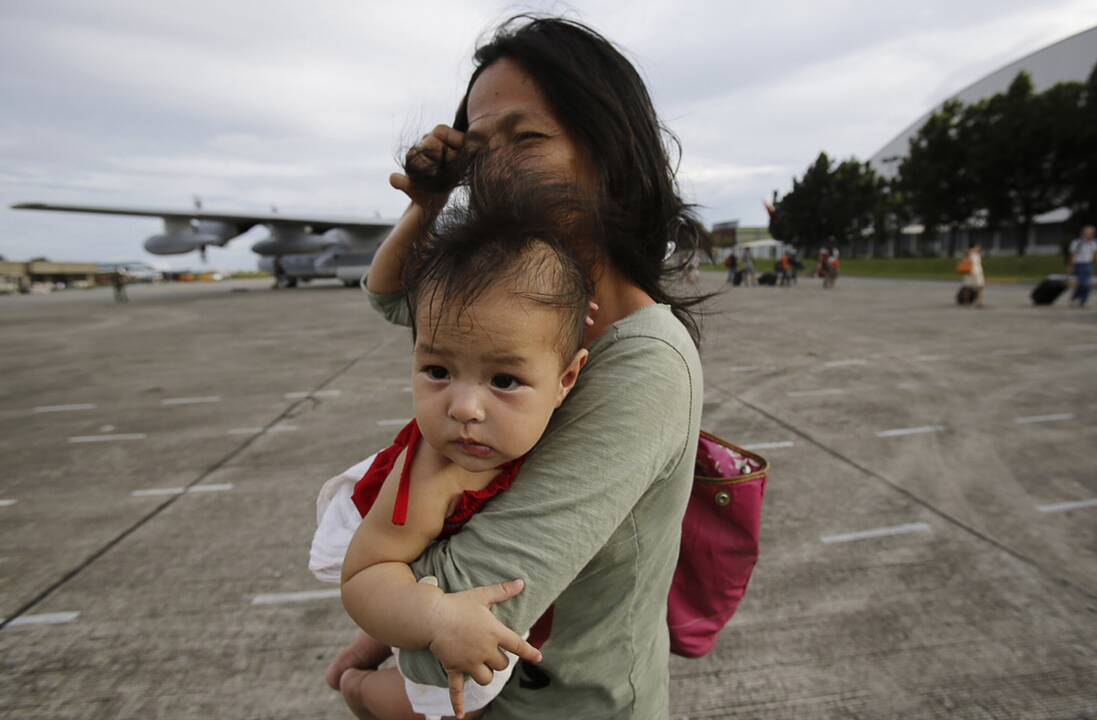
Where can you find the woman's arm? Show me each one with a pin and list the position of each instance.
(387, 269)
(626, 425)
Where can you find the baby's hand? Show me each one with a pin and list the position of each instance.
(468, 639)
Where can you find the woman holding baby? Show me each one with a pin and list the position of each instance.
(590, 522)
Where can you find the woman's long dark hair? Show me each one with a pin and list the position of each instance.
(599, 97)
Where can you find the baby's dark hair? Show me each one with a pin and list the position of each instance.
(514, 229)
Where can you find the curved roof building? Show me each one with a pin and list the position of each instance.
(1071, 59)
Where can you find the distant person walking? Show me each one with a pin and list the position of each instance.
(974, 280)
(795, 262)
(748, 268)
(118, 282)
(1080, 265)
(731, 262)
(828, 264)
(784, 270)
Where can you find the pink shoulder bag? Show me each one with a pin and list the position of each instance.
(719, 544)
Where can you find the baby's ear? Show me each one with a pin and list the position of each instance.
(571, 374)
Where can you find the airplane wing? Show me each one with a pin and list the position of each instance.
(319, 224)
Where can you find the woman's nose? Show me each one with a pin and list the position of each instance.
(465, 405)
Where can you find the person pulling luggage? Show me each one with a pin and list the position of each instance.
(1080, 265)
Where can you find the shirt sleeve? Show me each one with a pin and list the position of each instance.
(392, 306)
(623, 428)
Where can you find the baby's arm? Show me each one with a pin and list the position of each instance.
(376, 576)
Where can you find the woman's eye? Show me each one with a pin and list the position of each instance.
(505, 382)
(527, 136)
(436, 372)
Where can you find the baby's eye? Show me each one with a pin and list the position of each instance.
(436, 372)
(505, 382)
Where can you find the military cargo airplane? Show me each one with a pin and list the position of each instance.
(298, 248)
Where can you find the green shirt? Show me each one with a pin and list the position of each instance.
(592, 525)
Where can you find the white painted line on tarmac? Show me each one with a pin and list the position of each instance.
(397, 421)
(1082, 348)
(158, 492)
(921, 429)
(875, 533)
(845, 363)
(211, 487)
(106, 438)
(744, 368)
(816, 393)
(929, 358)
(245, 431)
(191, 400)
(65, 408)
(7, 502)
(295, 597)
(909, 386)
(1010, 351)
(770, 445)
(1028, 419)
(316, 394)
(1064, 506)
(57, 618)
(259, 430)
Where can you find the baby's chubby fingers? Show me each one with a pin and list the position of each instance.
(513, 642)
(457, 692)
(494, 594)
(482, 675)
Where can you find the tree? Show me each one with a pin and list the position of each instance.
(1016, 170)
(935, 175)
(1082, 168)
(827, 203)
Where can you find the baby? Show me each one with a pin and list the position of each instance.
(498, 303)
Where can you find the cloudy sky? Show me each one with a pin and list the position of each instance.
(305, 105)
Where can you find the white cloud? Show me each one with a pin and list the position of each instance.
(305, 105)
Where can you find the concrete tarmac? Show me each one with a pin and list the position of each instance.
(929, 537)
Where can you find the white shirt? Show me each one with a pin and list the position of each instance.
(1082, 250)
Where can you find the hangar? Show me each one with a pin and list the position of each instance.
(1069, 60)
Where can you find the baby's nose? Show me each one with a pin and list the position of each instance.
(466, 406)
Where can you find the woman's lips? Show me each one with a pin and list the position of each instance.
(474, 449)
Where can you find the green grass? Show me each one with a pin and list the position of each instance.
(1009, 269)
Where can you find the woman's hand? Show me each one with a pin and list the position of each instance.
(428, 160)
(468, 639)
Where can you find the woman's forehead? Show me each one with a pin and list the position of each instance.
(503, 92)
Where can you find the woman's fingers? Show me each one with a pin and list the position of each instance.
(401, 182)
(448, 136)
(457, 692)
(591, 313)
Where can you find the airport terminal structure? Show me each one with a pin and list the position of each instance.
(1069, 60)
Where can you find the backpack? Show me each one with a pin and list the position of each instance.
(720, 534)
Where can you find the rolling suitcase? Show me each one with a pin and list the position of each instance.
(737, 278)
(1049, 290)
(767, 279)
(965, 296)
